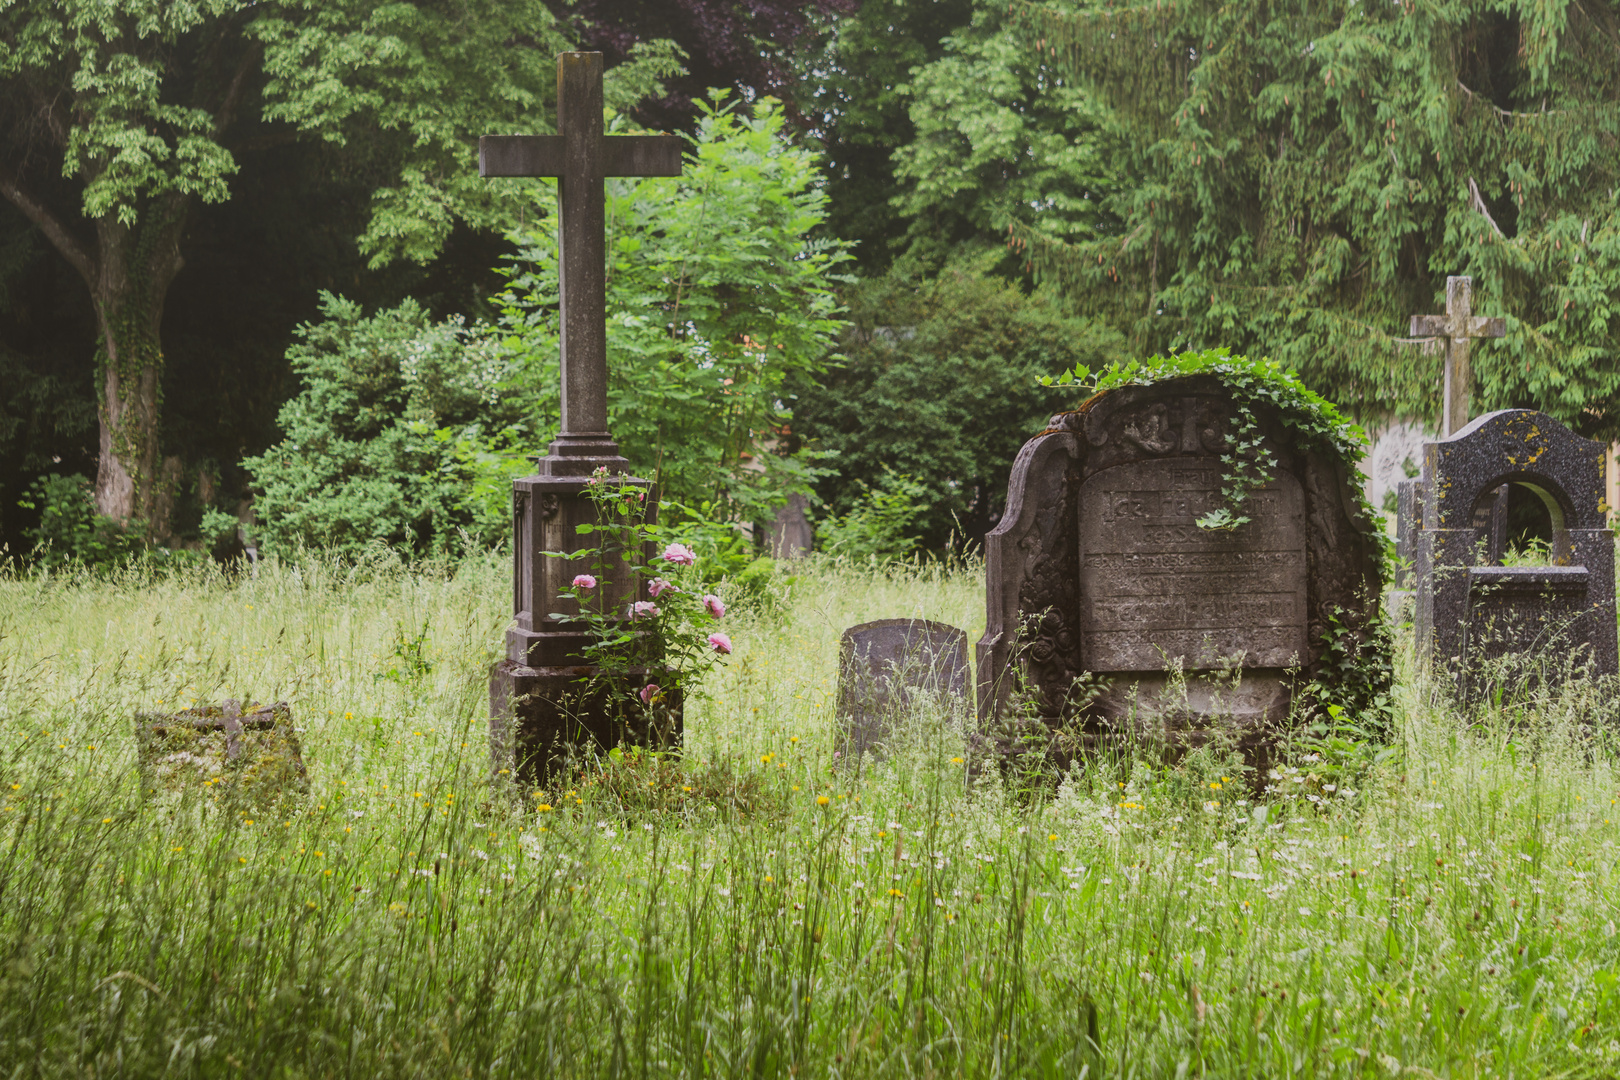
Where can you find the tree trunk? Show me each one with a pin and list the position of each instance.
(135, 269)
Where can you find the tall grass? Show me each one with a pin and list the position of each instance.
(1448, 911)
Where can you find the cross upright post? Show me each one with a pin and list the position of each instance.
(538, 701)
(1457, 326)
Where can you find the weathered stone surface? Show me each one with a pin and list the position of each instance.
(789, 535)
(249, 756)
(1487, 624)
(541, 718)
(1098, 568)
(882, 667)
(1154, 585)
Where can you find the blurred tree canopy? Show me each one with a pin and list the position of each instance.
(1305, 176)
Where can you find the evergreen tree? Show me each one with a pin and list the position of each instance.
(1306, 175)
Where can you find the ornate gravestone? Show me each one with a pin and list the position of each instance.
(1490, 624)
(1099, 571)
(882, 667)
(539, 700)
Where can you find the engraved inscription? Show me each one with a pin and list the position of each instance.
(1155, 587)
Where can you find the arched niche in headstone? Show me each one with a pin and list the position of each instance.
(1490, 624)
(1107, 603)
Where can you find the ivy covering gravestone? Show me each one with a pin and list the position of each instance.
(1187, 554)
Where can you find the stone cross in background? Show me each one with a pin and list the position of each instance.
(1457, 326)
(538, 702)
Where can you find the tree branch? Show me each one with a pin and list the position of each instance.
(47, 223)
(1479, 205)
(233, 95)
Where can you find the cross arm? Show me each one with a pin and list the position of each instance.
(1440, 326)
(542, 155)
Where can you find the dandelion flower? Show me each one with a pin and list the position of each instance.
(822, 800)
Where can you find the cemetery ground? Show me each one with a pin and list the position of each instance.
(1444, 907)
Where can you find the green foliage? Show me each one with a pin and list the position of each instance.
(995, 136)
(940, 383)
(70, 532)
(1311, 418)
(881, 525)
(715, 296)
(862, 115)
(408, 87)
(401, 435)
(1305, 176)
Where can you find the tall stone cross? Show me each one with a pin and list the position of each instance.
(580, 158)
(1457, 326)
(541, 701)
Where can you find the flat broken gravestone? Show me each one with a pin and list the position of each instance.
(1507, 627)
(885, 669)
(250, 757)
(1111, 609)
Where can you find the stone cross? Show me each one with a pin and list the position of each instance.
(1457, 326)
(580, 158)
(541, 700)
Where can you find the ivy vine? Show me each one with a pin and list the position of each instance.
(1247, 463)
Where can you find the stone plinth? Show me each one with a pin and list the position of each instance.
(542, 696)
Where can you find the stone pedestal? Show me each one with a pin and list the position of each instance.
(541, 696)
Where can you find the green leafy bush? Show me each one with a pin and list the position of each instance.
(880, 525)
(70, 531)
(940, 382)
(401, 435)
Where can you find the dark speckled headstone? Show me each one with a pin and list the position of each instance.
(882, 667)
(249, 757)
(1494, 625)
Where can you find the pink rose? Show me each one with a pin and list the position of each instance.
(679, 554)
(643, 609)
(584, 581)
(648, 692)
(658, 585)
(716, 606)
(720, 642)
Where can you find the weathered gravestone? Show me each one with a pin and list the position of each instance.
(1099, 568)
(251, 757)
(884, 667)
(1489, 624)
(541, 697)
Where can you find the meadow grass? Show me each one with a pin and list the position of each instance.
(1448, 910)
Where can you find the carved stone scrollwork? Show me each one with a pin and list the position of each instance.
(549, 505)
(1211, 426)
(1152, 432)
